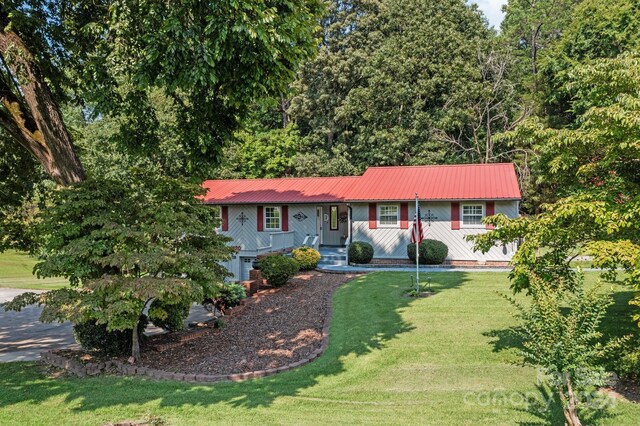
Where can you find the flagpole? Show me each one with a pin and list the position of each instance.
(417, 228)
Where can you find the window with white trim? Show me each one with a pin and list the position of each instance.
(472, 214)
(388, 215)
(272, 219)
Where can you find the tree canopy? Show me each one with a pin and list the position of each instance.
(211, 59)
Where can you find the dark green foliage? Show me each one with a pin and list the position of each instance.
(96, 337)
(264, 154)
(210, 60)
(625, 361)
(432, 252)
(278, 269)
(170, 317)
(628, 365)
(231, 294)
(360, 252)
(389, 80)
(307, 257)
(124, 243)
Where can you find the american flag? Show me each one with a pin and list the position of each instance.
(416, 230)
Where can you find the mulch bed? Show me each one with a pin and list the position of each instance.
(273, 330)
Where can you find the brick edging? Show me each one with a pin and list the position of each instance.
(80, 369)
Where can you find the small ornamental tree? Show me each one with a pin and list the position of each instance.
(124, 244)
(560, 331)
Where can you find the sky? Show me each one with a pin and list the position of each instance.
(491, 9)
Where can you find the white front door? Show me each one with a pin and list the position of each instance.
(245, 266)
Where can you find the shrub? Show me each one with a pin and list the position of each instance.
(432, 252)
(96, 337)
(231, 294)
(625, 361)
(360, 252)
(169, 317)
(278, 269)
(307, 257)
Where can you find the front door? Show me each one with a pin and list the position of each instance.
(246, 264)
(334, 224)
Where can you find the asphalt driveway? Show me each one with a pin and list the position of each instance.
(23, 337)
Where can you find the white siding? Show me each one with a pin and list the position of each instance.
(392, 242)
(304, 226)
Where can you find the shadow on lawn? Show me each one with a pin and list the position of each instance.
(546, 406)
(366, 315)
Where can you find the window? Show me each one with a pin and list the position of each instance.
(272, 218)
(472, 214)
(334, 218)
(388, 215)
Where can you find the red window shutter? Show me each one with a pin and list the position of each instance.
(260, 219)
(490, 210)
(373, 219)
(285, 218)
(225, 218)
(404, 215)
(455, 215)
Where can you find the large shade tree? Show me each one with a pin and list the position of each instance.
(388, 78)
(211, 58)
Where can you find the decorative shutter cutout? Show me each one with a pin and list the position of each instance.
(404, 215)
(373, 220)
(285, 218)
(455, 215)
(490, 210)
(260, 219)
(225, 218)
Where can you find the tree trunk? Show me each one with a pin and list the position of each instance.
(569, 406)
(135, 343)
(283, 106)
(31, 115)
(534, 48)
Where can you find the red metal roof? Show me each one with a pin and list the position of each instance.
(450, 182)
(284, 190)
(454, 182)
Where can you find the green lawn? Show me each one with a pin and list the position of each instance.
(16, 271)
(446, 360)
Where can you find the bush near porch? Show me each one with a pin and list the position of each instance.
(432, 252)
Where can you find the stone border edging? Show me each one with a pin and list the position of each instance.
(91, 369)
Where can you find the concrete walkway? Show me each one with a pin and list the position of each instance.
(23, 337)
(423, 269)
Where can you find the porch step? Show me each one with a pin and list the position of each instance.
(333, 259)
(332, 263)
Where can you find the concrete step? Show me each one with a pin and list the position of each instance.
(333, 257)
(325, 262)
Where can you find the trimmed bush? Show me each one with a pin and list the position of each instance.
(169, 317)
(360, 252)
(307, 257)
(96, 337)
(231, 294)
(278, 269)
(432, 252)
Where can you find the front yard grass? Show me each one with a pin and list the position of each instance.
(447, 360)
(16, 271)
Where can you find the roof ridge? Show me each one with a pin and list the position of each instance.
(414, 166)
(280, 178)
